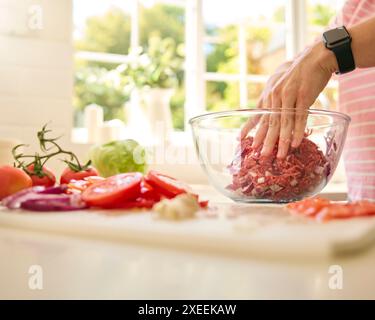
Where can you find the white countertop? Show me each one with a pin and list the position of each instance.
(86, 268)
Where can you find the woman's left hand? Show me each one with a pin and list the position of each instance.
(297, 89)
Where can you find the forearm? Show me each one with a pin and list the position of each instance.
(363, 43)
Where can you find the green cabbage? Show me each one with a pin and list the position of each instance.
(118, 157)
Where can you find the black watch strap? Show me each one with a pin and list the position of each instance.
(344, 56)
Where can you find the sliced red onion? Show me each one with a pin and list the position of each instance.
(54, 190)
(44, 199)
(54, 203)
(14, 201)
(61, 202)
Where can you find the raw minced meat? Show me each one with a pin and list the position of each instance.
(270, 178)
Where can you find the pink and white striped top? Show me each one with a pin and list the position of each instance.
(357, 99)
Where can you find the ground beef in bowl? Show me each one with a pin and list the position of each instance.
(282, 180)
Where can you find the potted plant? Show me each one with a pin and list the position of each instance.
(153, 73)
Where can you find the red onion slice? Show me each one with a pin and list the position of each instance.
(14, 201)
(54, 203)
(44, 199)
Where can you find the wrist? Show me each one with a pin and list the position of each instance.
(326, 58)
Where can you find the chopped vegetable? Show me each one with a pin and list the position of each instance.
(40, 198)
(113, 191)
(14, 201)
(78, 186)
(118, 157)
(122, 191)
(167, 185)
(325, 210)
(55, 202)
(183, 206)
(296, 176)
(69, 174)
(139, 203)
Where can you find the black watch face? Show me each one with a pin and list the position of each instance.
(335, 36)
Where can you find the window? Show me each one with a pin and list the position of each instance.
(230, 49)
(105, 32)
(244, 43)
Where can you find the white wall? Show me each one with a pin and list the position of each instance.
(36, 67)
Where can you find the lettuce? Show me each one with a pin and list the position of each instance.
(118, 157)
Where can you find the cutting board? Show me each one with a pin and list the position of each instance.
(228, 228)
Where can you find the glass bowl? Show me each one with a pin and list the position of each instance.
(239, 172)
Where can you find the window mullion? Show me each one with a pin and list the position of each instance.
(242, 51)
(134, 30)
(194, 60)
(296, 25)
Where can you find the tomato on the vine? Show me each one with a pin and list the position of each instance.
(41, 177)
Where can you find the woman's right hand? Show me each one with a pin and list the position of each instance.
(265, 97)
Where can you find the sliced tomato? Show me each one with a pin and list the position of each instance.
(363, 208)
(334, 211)
(203, 204)
(149, 192)
(114, 190)
(166, 185)
(308, 207)
(78, 186)
(139, 203)
(325, 210)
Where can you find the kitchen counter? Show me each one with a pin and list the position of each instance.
(76, 268)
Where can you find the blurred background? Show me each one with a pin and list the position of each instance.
(242, 42)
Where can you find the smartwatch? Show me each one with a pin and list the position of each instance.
(339, 41)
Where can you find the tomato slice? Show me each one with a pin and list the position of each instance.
(308, 207)
(149, 192)
(363, 208)
(203, 204)
(335, 211)
(113, 190)
(139, 203)
(166, 185)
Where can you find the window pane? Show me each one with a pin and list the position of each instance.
(242, 38)
(266, 41)
(221, 49)
(104, 27)
(264, 35)
(222, 95)
(254, 90)
(166, 21)
(319, 15)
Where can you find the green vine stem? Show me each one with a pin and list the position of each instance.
(46, 145)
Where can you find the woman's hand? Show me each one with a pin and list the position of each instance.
(296, 90)
(264, 100)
